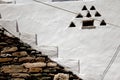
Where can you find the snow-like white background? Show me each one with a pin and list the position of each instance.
(94, 48)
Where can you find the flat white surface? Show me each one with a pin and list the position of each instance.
(93, 47)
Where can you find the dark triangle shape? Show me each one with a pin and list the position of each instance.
(92, 8)
(103, 23)
(72, 25)
(79, 16)
(84, 8)
(88, 14)
(97, 14)
(0, 16)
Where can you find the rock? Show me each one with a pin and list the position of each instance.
(20, 75)
(32, 65)
(40, 59)
(3, 44)
(9, 49)
(51, 70)
(20, 54)
(51, 64)
(5, 55)
(26, 59)
(61, 76)
(46, 78)
(35, 70)
(1, 47)
(3, 60)
(13, 69)
(17, 79)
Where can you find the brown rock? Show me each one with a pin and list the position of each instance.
(1, 47)
(26, 59)
(20, 54)
(35, 70)
(61, 76)
(9, 49)
(20, 75)
(51, 64)
(40, 59)
(17, 79)
(13, 69)
(32, 65)
(5, 60)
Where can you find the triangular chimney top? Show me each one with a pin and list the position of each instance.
(88, 14)
(84, 8)
(97, 14)
(103, 23)
(72, 24)
(92, 8)
(79, 16)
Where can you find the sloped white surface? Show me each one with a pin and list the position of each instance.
(28, 38)
(69, 64)
(93, 47)
(9, 25)
(51, 51)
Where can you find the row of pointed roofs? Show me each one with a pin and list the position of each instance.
(88, 15)
(97, 14)
(103, 23)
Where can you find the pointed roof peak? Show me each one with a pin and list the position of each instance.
(88, 14)
(79, 16)
(97, 14)
(72, 24)
(103, 23)
(92, 8)
(84, 7)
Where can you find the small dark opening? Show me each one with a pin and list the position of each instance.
(84, 8)
(88, 23)
(72, 25)
(97, 14)
(103, 23)
(92, 8)
(79, 16)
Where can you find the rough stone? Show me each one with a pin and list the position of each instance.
(20, 54)
(42, 59)
(51, 64)
(13, 69)
(5, 60)
(26, 59)
(17, 79)
(61, 76)
(9, 49)
(32, 65)
(35, 70)
(20, 75)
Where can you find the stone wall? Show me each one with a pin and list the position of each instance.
(19, 61)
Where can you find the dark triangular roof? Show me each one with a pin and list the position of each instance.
(103, 23)
(72, 24)
(88, 14)
(79, 16)
(84, 8)
(97, 14)
(92, 8)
